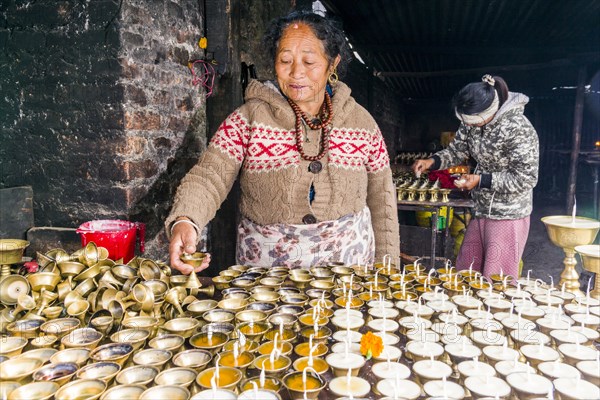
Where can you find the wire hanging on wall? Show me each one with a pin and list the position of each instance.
(206, 77)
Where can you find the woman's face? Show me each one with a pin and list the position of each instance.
(302, 67)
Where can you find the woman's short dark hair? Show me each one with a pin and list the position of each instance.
(478, 96)
(326, 30)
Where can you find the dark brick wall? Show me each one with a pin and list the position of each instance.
(59, 110)
(97, 111)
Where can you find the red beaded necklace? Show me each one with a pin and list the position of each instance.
(326, 115)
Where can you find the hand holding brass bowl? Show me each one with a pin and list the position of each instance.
(195, 259)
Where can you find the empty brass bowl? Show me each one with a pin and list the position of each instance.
(33, 390)
(266, 308)
(166, 392)
(53, 312)
(59, 373)
(250, 316)
(222, 282)
(180, 376)
(11, 250)
(149, 270)
(134, 336)
(158, 288)
(89, 389)
(26, 328)
(90, 272)
(19, 369)
(43, 280)
(195, 259)
(123, 272)
(121, 392)
(104, 370)
(196, 359)
(170, 342)
(199, 307)
(42, 342)
(218, 315)
(233, 304)
(12, 346)
(70, 268)
(222, 327)
(181, 326)
(78, 356)
(43, 354)
(266, 296)
(154, 357)
(113, 352)
(82, 338)
(137, 375)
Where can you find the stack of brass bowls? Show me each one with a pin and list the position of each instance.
(133, 331)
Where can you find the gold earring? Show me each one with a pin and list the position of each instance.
(333, 77)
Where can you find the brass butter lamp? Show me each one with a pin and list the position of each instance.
(568, 232)
(590, 254)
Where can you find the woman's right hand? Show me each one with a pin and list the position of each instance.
(183, 240)
(421, 166)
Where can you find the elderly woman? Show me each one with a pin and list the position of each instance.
(316, 184)
(494, 132)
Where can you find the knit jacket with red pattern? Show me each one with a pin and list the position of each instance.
(257, 142)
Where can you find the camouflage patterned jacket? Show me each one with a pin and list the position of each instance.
(507, 154)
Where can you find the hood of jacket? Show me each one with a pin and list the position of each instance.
(515, 104)
(268, 93)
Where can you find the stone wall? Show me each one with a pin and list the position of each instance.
(60, 114)
(164, 128)
(98, 114)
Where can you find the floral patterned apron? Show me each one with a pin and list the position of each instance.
(349, 239)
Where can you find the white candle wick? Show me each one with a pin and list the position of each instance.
(255, 389)
(574, 210)
(213, 382)
(262, 376)
(236, 352)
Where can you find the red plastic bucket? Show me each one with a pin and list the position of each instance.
(116, 235)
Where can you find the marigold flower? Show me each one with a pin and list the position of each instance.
(371, 345)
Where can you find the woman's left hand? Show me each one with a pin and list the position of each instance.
(467, 182)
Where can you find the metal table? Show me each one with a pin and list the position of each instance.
(434, 208)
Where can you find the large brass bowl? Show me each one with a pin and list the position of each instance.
(590, 254)
(565, 235)
(568, 233)
(11, 250)
(19, 369)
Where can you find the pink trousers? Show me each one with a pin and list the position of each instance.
(493, 246)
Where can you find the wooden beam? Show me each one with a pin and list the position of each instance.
(478, 70)
(470, 50)
(577, 123)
